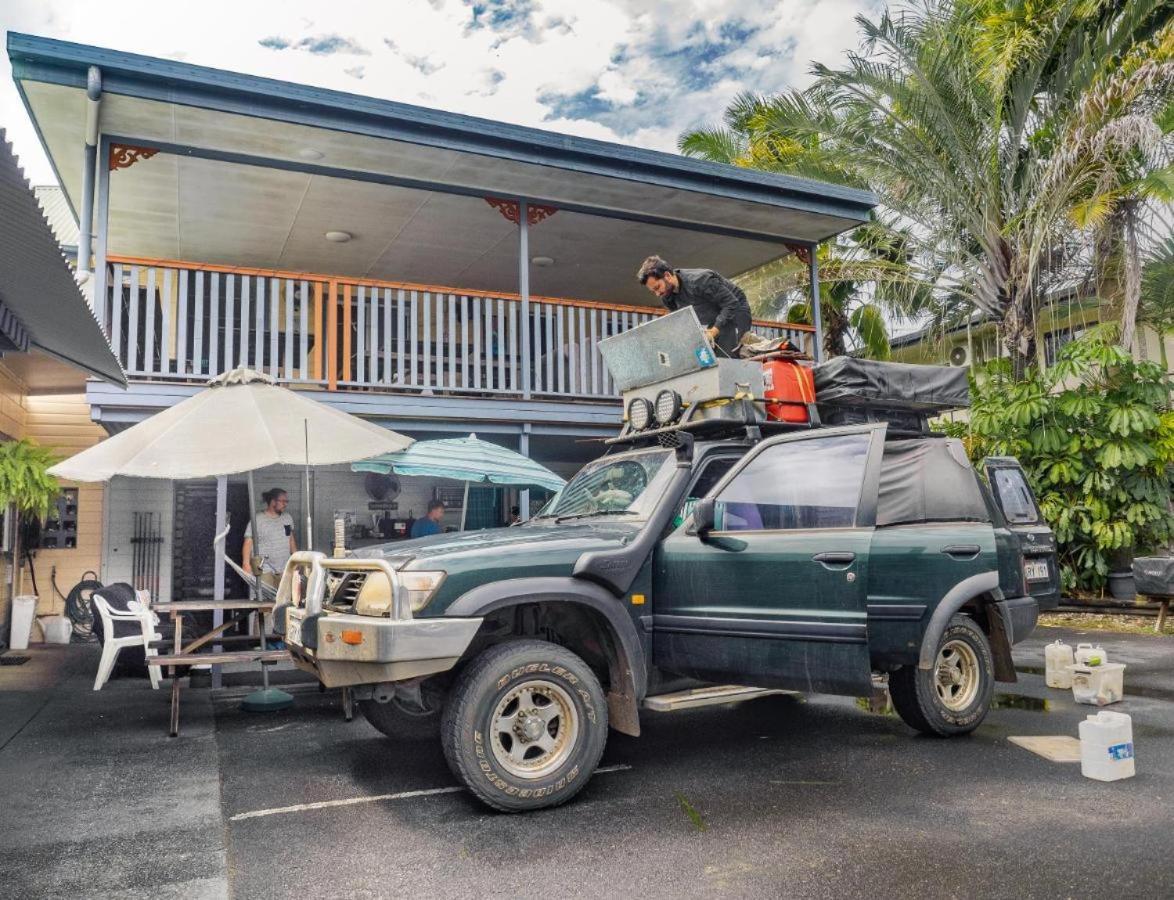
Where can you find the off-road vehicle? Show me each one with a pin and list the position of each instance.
(696, 562)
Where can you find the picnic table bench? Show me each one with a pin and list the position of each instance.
(186, 655)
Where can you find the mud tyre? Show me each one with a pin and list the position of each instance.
(525, 726)
(955, 695)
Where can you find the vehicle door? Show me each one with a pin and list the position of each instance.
(774, 593)
(1038, 570)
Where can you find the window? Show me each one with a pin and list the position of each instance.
(712, 472)
(1055, 340)
(813, 483)
(625, 484)
(1014, 496)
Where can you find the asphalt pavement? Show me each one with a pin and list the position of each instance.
(780, 797)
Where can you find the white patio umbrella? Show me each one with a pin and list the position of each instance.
(241, 422)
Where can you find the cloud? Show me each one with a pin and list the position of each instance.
(356, 71)
(319, 45)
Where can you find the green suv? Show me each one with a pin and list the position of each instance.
(665, 577)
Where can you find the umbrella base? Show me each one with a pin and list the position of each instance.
(267, 700)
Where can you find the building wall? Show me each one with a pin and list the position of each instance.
(125, 497)
(13, 418)
(62, 423)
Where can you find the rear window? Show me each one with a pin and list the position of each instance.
(1014, 496)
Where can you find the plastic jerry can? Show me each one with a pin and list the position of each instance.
(1088, 655)
(57, 629)
(789, 387)
(1098, 685)
(1057, 658)
(1106, 746)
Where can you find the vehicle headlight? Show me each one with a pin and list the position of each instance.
(639, 413)
(420, 586)
(668, 407)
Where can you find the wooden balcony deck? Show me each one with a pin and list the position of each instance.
(173, 320)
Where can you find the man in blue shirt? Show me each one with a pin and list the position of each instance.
(430, 524)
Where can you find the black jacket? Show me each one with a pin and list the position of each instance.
(718, 302)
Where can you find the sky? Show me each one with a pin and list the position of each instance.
(622, 70)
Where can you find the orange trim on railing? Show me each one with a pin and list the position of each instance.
(332, 337)
(411, 286)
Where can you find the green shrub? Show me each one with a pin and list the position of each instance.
(24, 480)
(1095, 436)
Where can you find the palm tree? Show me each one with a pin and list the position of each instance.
(983, 125)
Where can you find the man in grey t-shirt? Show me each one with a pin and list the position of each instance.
(275, 542)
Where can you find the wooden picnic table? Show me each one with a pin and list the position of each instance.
(186, 655)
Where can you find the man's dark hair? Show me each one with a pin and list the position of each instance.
(653, 267)
(272, 494)
(435, 504)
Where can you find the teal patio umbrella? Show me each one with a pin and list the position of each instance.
(468, 459)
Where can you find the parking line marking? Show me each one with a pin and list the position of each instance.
(374, 798)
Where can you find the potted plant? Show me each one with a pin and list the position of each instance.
(27, 490)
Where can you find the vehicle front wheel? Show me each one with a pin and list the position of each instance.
(525, 725)
(955, 695)
(410, 715)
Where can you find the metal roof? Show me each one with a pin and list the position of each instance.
(37, 285)
(252, 171)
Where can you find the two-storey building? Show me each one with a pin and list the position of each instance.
(437, 273)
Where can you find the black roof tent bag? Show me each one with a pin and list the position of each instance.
(928, 480)
(929, 390)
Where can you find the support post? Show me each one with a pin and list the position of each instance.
(816, 315)
(524, 291)
(99, 303)
(524, 495)
(218, 570)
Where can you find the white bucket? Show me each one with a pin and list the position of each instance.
(57, 629)
(1106, 746)
(1057, 658)
(23, 608)
(1098, 685)
(1088, 655)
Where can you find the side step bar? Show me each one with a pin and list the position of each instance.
(708, 696)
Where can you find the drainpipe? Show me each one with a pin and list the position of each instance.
(86, 213)
(816, 317)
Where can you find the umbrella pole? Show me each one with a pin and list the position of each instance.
(465, 506)
(267, 698)
(308, 537)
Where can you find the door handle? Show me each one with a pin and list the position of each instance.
(832, 558)
(962, 551)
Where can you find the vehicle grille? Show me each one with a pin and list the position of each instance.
(346, 590)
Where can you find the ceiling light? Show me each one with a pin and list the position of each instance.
(543, 261)
(339, 237)
(310, 153)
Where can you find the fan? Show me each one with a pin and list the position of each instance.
(381, 487)
(959, 356)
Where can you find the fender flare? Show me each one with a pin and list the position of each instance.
(957, 597)
(629, 669)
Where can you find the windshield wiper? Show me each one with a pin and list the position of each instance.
(602, 512)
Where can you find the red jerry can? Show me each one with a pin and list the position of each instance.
(790, 387)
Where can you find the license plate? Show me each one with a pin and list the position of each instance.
(1037, 570)
(293, 629)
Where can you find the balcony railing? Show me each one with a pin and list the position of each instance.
(187, 322)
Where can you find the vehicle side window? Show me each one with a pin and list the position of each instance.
(1014, 496)
(813, 483)
(711, 473)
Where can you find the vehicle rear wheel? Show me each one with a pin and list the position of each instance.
(955, 695)
(408, 715)
(525, 725)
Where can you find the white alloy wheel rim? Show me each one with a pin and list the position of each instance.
(534, 729)
(957, 675)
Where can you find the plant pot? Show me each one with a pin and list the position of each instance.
(1121, 585)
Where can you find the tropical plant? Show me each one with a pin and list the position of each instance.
(24, 480)
(1095, 436)
(1156, 307)
(986, 127)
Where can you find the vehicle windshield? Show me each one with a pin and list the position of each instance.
(627, 485)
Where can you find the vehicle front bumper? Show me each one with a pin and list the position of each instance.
(369, 639)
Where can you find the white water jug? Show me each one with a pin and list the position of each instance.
(1057, 658)
(1088, 655)
(1106, 746)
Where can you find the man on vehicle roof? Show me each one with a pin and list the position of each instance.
(721, 306)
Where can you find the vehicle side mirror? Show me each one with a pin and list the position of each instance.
(703, 517)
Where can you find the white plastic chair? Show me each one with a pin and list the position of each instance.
(140, 612)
